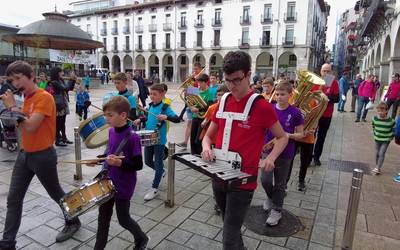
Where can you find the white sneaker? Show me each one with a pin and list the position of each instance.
(376, 171)
(267, 204)
(151, 194)
(274, 218)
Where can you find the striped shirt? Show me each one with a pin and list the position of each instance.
(383, 129)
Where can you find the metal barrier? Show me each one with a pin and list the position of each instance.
(78, 155)
(170, 202)
(352, 209)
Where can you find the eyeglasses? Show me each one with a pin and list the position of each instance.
(235, 81)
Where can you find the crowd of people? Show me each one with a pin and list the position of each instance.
(229, 115)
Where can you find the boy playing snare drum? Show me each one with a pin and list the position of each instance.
(157, 114)
(122, 172)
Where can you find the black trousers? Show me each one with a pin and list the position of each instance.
(60, 128)
(323, 126)
(306, 152)
(124, 219)
(195, 143)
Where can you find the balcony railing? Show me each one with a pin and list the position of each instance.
(153, 27)
(288, 41)
(139, 28)
(244, 43)
(139, 47)
(152, 47)
(216, 22)
(167, 26)
(198, 23)
(126, 30)
(181, 45)
(114, 31)
(167, 46)
(103, 32)
(265, 42)
(182, 25)
(267, 19)
(198, 45)
(290, 17)
(215, 44)
(245, 20)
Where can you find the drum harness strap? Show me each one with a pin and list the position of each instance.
(229, 117)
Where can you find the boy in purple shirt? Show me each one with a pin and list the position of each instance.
(122, 172)
(292, 122)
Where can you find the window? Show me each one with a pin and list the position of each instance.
(104, 25)
(217, 35)
(115, 24)
(291, 11)
(115, 43)
(169, 60)
(183, 60)
(168, 18)
(140, 45)
(266, 37)
(168, 40)
(127, 23)
(199, 38)
(183, 39)
(153, 41)
(139, 20)
(246, 13)
(153, 19)
(127, 42)
(200, 17)
(105, 43)
(217, 16)
(245, 36)
(88, 18)
(289, 35)
(268, 12)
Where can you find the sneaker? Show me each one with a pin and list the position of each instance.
(5, 245)
(376, 171)
(357, 120)
(352, 111)
(182, 144)
(274, 218)
(301, 186)
(68, 230)
(66, 141)
(267, 204)
(317, 162)
(217, 209)
(364, 120)
(396, 178)
(61, 144)
(142, 245)
(151, 194)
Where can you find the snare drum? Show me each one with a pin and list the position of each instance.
(89, 195)
(149, 137)
(94, 131)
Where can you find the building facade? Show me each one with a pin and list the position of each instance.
(167, 37)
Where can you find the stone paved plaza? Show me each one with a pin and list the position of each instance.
(192, 223)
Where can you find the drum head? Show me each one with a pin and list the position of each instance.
(98, 138)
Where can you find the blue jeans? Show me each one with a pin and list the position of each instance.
(381, 147)
(341, 101)
(361, 110)
(155, 152)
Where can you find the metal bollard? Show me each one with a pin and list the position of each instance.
(170, 202)
(352, 209)
(78, 155)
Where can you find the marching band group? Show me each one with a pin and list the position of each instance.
(224, 122)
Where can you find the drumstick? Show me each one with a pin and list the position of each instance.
(102, 110)
(145, 110)
(91, 160)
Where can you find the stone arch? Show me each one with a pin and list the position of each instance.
(116, 64)
(378, 55)
(154, 65)
(200, 59)
(396, 51)
(386, 49)
(105, 62)
(140, 65)
(264, 64)
(287, 64)
(128, 64)
(168, 68)
(372, 61)
(183, 67)
(216, 61)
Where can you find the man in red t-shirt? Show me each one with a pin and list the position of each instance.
(332, 92)
(246, 139)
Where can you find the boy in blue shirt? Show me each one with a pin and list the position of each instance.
(121, 81)
(158, 113)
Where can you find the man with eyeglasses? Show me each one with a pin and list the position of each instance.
(246, 137)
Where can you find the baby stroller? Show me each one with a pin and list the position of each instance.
(8, 134)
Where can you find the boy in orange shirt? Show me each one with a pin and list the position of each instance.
(38, 156)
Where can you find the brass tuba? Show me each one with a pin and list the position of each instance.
(192, 100)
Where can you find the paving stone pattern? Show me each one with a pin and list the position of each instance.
(192, 223)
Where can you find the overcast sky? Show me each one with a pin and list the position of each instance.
(23, 12)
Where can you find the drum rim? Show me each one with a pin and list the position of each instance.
(90, 145)
(87, 121)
